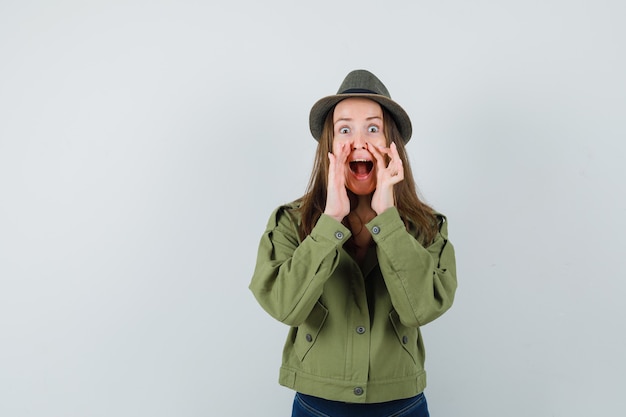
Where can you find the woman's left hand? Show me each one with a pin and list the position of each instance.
(387, 175)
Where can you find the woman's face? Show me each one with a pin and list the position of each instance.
(358, 122)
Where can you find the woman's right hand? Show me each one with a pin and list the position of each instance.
(337, 201)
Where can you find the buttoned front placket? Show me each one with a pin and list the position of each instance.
(359, 338)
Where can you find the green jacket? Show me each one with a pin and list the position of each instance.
(355, 333)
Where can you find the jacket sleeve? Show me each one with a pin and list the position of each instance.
(289, 275)
(421, 281)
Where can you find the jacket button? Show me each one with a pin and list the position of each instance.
(360, 330)
(405, 339)
(309, 338)
(358, 391)
(376, 230)
(339, 235)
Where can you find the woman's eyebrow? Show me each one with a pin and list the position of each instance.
(343, 119)
(348, 119)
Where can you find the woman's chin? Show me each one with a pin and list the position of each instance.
(361, 188)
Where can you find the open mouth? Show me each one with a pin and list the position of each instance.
(361, 167)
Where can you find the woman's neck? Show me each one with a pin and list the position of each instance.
(361, 212)
(361, 203)
(361, 206)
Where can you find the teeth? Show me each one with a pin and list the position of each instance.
(360, 160)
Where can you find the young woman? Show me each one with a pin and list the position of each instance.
(357, 264)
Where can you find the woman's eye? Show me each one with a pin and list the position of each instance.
(373, 129)
(344, 130)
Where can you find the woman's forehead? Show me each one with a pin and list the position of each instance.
(357, 106)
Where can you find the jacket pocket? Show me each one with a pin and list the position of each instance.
(407, 336)
(309, 330)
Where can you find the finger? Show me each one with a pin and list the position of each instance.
(379, 149)
(387, 152)
(397, 170)
(336, 171)
(394, 151)
(339, 152)
(398, 173)
(395, 156)
(345, 151)
(383, 150)
(378, 155)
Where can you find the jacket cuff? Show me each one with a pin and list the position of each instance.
(330, 229)
(385, 224)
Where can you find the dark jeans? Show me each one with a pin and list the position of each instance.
(307, 406)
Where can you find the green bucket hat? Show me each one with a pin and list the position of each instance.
(360, 83)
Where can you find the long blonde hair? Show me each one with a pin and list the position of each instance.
(415, 214)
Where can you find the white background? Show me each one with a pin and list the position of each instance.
(143, 145)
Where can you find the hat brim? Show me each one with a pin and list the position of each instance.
(320, 110)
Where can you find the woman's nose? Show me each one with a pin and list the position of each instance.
(359, 142)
